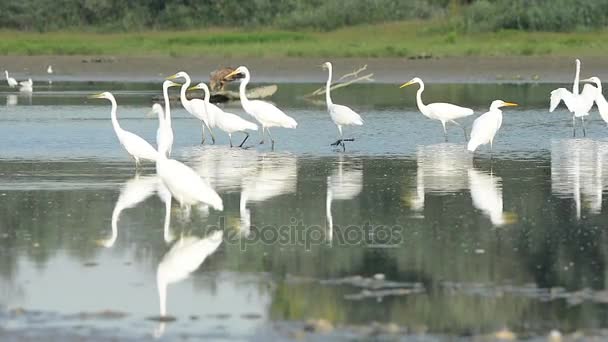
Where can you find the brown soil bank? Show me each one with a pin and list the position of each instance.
(386, 70)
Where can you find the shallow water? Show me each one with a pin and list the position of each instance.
(401, 228)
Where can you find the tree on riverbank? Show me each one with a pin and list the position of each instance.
(465, 15)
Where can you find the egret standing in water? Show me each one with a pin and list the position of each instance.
(184, 183)
(11, 81)
(195, 107)
(443, 112)
(227, 122)
(137, 147)
(600, 100)
(487, 125)
(265, 113)
(164, 134)
(578, 104)
(340, 115)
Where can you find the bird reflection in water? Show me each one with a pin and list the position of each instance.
(345, 183)
(132, 193)
(448, 169)
(185, 256)
(577, 172)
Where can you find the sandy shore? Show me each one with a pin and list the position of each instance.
(386, 70)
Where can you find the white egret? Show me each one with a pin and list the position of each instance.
(196, 107)
(265, 113)
(11, 81)
(578, 104)
(184, 257)
(340, 115)
(137, 147)
(49, 70)
(185, 184)
(487, 125)
(27, 83)
(227, 122)
(443, 112)
(164, 133)
(600, 100)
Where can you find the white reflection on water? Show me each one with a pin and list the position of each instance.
(12, 100)
(577, 172)
(133, 192)
(448, 168)
(185, 256)
(345, 183)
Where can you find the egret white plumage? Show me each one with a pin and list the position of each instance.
(164, 133)
(444, 112)
(487, 125)
(186, 186)
(11, 81)
(49, 70)
(340, 115)
(578, 103)
(267, 114)
(227, 122)
(196, 107)
(27, 83)
(136, 146)
(600, 100)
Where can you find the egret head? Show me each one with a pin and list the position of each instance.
(578, 62)
(242, 70)
(201, 86)
(168, 84)
(181, 74)
(412, 81)
(156, 109)
(593, 79)
(500, 103)
(326, 65)
(105, 95)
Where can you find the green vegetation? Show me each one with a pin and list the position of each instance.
(319, 15)
(397, 39)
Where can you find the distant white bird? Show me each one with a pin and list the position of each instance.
(227, 122)
(340, 115)
(137, 147)
(265, 113)
(186, 186)
(184, 257)
(26, 86)
(443, 112)
(600, 100)
(196, 107)
(11, 81)
(578, 104)
(487, 125)
(49, 70)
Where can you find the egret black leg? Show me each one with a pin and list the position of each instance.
(583, 124)
(271, 139)
(246, 137)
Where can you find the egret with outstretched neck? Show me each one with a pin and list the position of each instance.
(195, 107)
(577, 103)
(340, 115)
(10, 80)
(444, 112)
(136, 146)
(265, 113)
(227, 122)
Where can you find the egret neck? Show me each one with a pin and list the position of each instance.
(242, 92)
(182, 95)
(328, 86)
(167, 120)
(576, 78)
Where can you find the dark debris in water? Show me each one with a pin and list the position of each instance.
(104, 314)
(164, 319)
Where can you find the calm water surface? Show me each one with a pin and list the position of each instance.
(401, 228)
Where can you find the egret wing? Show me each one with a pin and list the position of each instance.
(342, 115)
(448, 111)
(270, 115)
(137, 146)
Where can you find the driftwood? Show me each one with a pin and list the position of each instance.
(349, 79)
(224, 95)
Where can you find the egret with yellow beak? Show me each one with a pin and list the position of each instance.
(487, 125)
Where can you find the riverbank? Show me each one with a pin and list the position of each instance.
(550, 69)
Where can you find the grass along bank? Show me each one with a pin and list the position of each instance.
(399, 39)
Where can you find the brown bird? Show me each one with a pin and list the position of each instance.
(218, 79)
